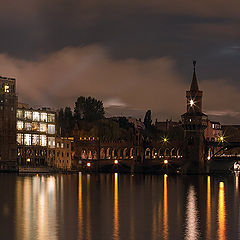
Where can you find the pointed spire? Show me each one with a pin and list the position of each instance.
(194, 84)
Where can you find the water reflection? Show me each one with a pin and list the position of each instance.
(221, 213)
(80, 208)
(192, 231)
(115, 209)
(165, 210)
(36, 208)
(208, 208)
(88, 223)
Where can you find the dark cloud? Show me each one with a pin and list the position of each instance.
(134, 54)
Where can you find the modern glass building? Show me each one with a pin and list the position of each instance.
(36, 135)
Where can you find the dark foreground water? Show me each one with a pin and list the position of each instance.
(116, 206)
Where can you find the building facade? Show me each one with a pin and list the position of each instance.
(8, 105)
(64, 153)
(36, 136)
(213, 132)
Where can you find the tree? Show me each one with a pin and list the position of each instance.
(89, 109)
(148, 119)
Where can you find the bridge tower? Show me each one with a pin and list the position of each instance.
(194, 121)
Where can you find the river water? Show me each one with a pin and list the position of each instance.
(119, 207)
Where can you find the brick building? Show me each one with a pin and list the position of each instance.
(8, 105)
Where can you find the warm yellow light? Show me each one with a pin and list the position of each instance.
(28, 160)
(191, 102)
(208, 158)
(165, 140)
(115, 161)
(221, 138)
(221, 185)
(165, 161)
(89, 164)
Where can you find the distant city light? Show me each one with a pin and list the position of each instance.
(28, 160)
(115, 161)
(89, 164)
(208, 158)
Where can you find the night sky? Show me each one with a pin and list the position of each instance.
(133, 55)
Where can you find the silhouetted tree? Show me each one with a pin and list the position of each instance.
(89, 109)
(148, 119)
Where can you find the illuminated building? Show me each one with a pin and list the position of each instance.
(36, 136)
(64, 153)
(8, 105)
(213, 132)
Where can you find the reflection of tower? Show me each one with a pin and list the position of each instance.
(194, 122)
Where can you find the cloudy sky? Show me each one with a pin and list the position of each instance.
(133, 55)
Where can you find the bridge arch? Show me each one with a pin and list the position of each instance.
(102, 153)
(148, 153)
(84, 154)
(167, 152)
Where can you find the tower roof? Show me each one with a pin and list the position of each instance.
(194, 84)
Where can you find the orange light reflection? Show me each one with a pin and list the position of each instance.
(116, 210)
(221, 213)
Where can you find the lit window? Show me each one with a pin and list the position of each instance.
(44, 117)
(20, 114)
(28, 126)
(51, 128)
(51, 117)
(58, 145)
(35, 126)
(20, 138)
(6, 88)
(43, 127)
(28, 115)
(62, 145)
(19, 125)
(51, 142)
(43, 140)
(27, 139)
(36, 116)
(35, 139)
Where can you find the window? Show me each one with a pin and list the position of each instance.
(35, 139)
(58, 145)
(36, 116)
(51, 128)
(19, 125)
(67, 154)
(28, 126)
(20, 114)
(62, 154)
(51, 142)
(67, 145)
(28, 115)
(51, 117)
(43, 117)
(27, 139)
(43, 140)
(35, 126)
(62, 145)
(20, 138)
(6, 88)
(43, 127)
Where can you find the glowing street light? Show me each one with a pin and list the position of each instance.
(89, 164)
(165, 161)
(208, 158)
(116, 162)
